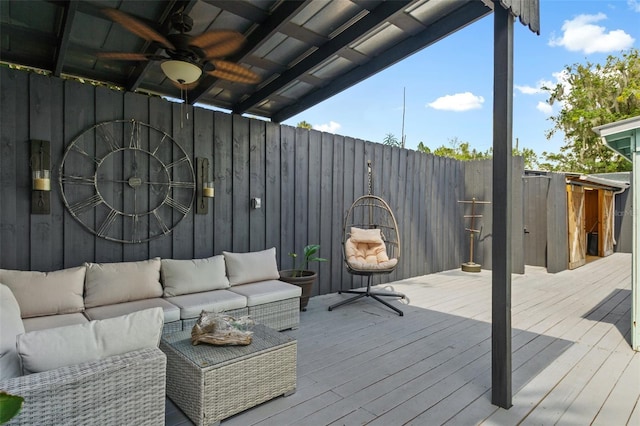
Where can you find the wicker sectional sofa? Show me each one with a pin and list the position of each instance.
(236, 283)
(127, 386)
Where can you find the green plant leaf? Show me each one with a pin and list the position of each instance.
(10, 405)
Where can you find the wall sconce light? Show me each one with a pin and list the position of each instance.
(40, 163)
(205, 188)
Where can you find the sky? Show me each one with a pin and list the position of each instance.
(449, 85)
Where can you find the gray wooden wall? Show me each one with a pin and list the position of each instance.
(623, 231)
(306, 179)
(478, 184)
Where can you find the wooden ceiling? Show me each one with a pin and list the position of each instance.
(303, 51)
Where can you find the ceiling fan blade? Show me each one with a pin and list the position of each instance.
(123, 56)
(137, 27)
(234, 72)
(218, 43)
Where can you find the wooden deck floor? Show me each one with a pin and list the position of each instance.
(363, 364)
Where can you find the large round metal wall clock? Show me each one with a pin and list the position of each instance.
(127, 181)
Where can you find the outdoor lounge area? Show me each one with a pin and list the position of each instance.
(363, 364)
(110, 157)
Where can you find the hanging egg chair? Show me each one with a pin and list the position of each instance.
(370, 245)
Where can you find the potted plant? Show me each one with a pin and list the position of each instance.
(301, 276)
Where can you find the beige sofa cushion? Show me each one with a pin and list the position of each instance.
(212, 301)
(171, 311)
(193, 276)
(65, 346)
(267, 292)
(109, 283)
(10, 327)
(46, 293)
(52, 321)
(251, 267)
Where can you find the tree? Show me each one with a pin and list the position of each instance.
(305, 125)
(390, 139)
(592, 95)
(462, 151)
(457, 149)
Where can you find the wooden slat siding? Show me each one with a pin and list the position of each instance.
(272, 189)
(137, 107)
(203, 147)
(623, 221)
(388, 191)
(409, 217)
(57, 150)
(301, 192)
(375, 152)
(451, 260)
(8, 181)
(257, 224)
(429, 232)
(338, 212)
(402, 214)
(14, 164)
(535, 193)
(287, 194)
(223, 171)
(517, 216)
(79, 115)
(240, 195)
(160, 117)
(436, 196)
(327, 227)
(41, 242)
(108, 107)
(557, 230)
(347, 177)
(314, 191)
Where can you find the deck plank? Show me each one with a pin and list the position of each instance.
(363, 364)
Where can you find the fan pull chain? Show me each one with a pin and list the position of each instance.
(182, 95)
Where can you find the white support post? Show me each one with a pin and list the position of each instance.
(635, 291)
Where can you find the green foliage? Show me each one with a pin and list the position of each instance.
(595, 94)
(309, 255)
(391, 140)
(305, 125)
(457, 149)
(10, 405)
(462, 151)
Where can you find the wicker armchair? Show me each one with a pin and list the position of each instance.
(118, 390)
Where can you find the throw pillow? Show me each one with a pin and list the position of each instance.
(46, 350)
(10, 327)
(46, 293)
(193, 276)
(359, 235)
(109, 283)
(251, 267)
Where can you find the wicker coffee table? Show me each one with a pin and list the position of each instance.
(211, 383)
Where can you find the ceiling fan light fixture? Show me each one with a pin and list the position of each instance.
(181, 72)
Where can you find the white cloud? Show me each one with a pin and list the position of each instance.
(531, 90)
(544, 108)
(458, 102)
(331, 127)
(581, 34)
(634, 5)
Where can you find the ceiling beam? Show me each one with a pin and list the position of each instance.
(466, 15)
(374, 18)
(278, 18)
(240, 8)
(63, 40)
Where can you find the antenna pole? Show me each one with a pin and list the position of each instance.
(404, 96)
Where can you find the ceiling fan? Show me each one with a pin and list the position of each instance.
(186, 57)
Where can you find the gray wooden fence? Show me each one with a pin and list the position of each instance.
(306, 179)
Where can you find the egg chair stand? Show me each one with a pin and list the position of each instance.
(370, 246)
(372, 294)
